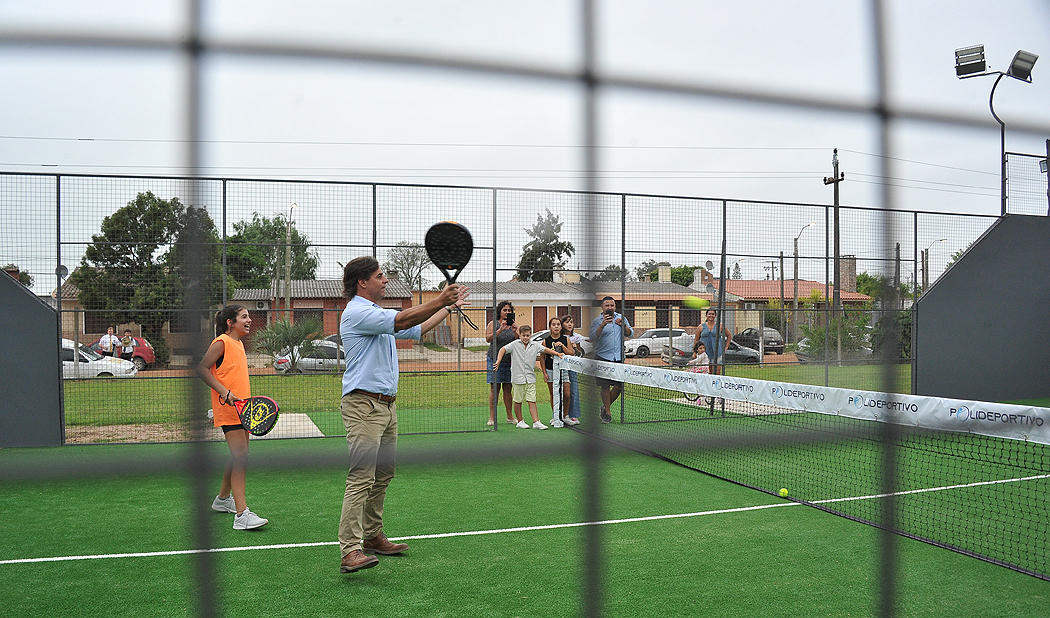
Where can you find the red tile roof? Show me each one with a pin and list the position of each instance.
(763, 289)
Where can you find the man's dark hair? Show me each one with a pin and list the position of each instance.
(355, 270)
(608, 298)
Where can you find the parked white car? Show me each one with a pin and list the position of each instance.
(652, 341)
(92, 364)
(325, 357)
(585, 343)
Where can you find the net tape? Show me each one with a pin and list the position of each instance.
(1012, 422)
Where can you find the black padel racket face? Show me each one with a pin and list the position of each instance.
(258, 414)
(449, 246)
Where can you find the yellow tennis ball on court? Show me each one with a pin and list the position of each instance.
(695, 302)
(783, 492)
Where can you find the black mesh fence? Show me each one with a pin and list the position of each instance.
(277, 248)
(1026, 184)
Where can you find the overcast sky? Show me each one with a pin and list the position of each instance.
(123, 111)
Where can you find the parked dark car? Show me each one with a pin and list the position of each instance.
(773, 340)
(735, 354)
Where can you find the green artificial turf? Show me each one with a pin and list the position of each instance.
(782, 561)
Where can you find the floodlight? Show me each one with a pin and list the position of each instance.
(1042, 166)
(970, 60)
(1021, 65)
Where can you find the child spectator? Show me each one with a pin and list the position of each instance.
(558, 341)
(523, 355)
(700, 363)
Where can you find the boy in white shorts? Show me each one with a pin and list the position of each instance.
(523, 355)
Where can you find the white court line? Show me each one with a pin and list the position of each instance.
(928, 489)
(445, 535)
(403, 538)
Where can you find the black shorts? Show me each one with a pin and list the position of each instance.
(603, 382)
(229, 428)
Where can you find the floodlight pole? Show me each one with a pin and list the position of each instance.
(794, 310)
(970, 62)
(1002, 144)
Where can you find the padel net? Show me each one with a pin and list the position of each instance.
(970, 476)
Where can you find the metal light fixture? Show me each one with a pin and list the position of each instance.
(970, 62)
(1021, 65)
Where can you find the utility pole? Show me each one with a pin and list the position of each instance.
(288, 265)
(783, 313)
(836, 304)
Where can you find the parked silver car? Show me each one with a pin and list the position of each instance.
(91, 364)
(652, 340)
(320, 357)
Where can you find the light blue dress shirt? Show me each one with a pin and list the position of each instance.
(368, 335)
(610, 345)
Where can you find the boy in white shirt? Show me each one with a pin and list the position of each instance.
(523, 355)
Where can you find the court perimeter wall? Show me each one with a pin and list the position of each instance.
(981, 329)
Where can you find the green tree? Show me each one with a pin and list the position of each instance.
(955, 257)
(851, 324)
(296, 340)
(879, 287)
(410, 260)
(136, 268)
(23, 277)
(892, 331)
(736, 272)
(255, 252)
(545, 252)
(612, 272)
(682, 275)
(646, 269)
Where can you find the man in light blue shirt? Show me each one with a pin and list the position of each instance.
(608, 331)
(369, 389)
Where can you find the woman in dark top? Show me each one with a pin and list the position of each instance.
(499, 333)
(558, 341)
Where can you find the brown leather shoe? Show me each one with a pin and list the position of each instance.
(357, 560)
(382, 545)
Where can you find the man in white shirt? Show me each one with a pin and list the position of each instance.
(108, 343)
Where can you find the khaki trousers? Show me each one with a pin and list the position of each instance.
(371, 438)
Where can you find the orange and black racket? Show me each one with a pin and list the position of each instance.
(449, 246)
(258, 414)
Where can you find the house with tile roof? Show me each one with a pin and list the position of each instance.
(319, 299)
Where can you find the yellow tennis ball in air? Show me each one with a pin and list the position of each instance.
(783, 492)
(695, 302)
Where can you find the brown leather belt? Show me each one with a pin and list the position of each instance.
(383, 398)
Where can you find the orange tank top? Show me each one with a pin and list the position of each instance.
(233, 374)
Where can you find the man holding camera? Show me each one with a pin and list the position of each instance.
(608, 331)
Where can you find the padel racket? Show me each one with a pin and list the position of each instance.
(258, 414)
(449, 246)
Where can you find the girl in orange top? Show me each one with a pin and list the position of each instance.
(225, 369)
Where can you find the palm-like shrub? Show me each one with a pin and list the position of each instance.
(296, 340)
